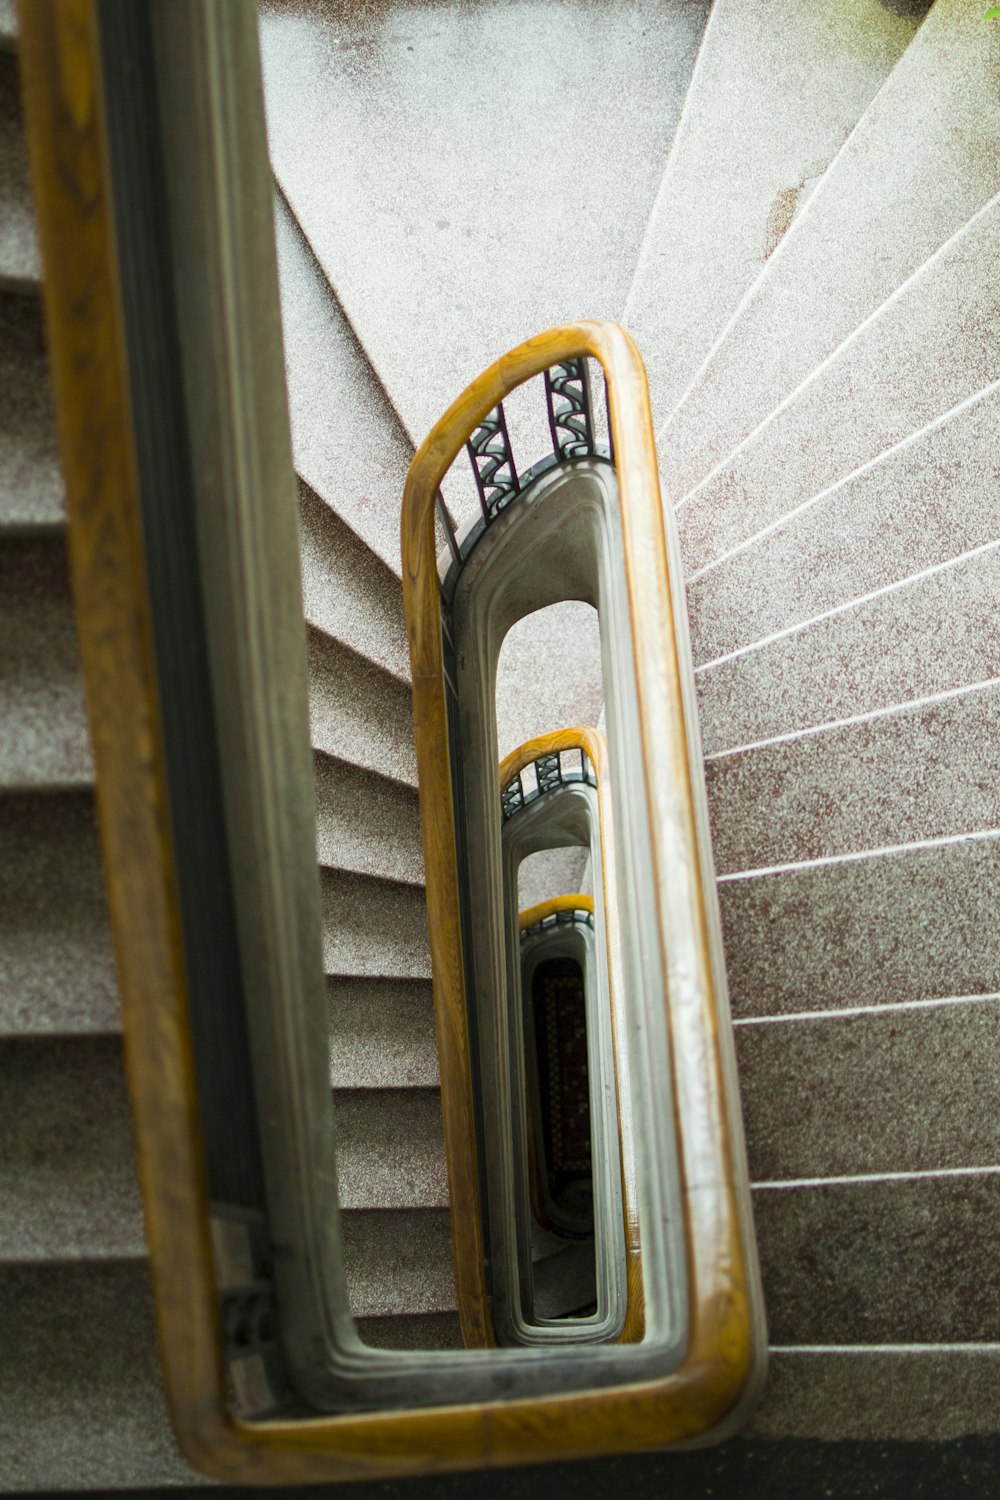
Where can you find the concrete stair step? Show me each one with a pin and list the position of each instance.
(922, 771)
(872, 1260)
(382, 1034)
(906, 924)
(390, 1149)
(348, 592)
(914, 507)
(897, 1088)
(20, 262)
(67, 1166)
(31, 488)
(56, 963)
(43, 722)
(366, 824)
(931, 634)
(398, 1262)
(444, 293)
(917, 1394)
(754, 138)
(360, 714)
(83, 1401)
(373, 929)
(925, 351)
(880, 212)
(349, 444)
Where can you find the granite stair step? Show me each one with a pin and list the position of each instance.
(420, 1331)
(365, 824)
(881, 210)
(875, 1089)
(43, 722)
(67, 1168)
(755, 136)
(904, 1259)
(398, 1262)
(921, 771)
(917, 1393)
(348, 591)
(917, 505)
(20, 263)
(31, 488)
(928, 349)
(373, 929)
(930, 634)
(883, 926)
(412, 248)
(83, 1400)
(349, 445)
(390, 1149)
(359, 713)
(56, 963)
(382, 1034)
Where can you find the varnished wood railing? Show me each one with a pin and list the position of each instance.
(640, 1399)
(594, 746)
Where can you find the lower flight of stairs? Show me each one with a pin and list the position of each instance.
(848, 674)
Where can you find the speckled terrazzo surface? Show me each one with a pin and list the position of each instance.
(451, 133)
(20, 264)
(878, 214)
(755, 136)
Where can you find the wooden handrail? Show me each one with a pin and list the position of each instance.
(724, 1354)
(550, 908)
(61, 73)
(594, 746)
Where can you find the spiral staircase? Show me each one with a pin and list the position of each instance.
(794, 210)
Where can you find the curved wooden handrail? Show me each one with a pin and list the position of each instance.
(721, 1354)
(532, 914)
(594, 746)
(60, 67)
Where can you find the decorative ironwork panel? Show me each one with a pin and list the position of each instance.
(571, 417)
(511, 798)
(493, 463)
(549, 773)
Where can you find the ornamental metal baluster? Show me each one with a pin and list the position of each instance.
(511, 799)
(493, 464)
(448, 527)
(549, 773)
(571, 416)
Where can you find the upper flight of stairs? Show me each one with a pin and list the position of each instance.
(792, 211)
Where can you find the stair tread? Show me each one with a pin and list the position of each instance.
(754, 137)
(44, 737)
(398, 1261)
(348, 443)
(932, 634)
(56, 961)
(415, 88)
(348, 592)
(915, 507)
(923, 353)
(919, 1395)
(67, 1165)
(8, 24)
(911, 924)
(880, 211)
(358, 713)
(366, 824)
(923, 771)
(373, 929)
(390, 1148)
(20, 262)
(31, 488)
(868, 1261)
(382, 1033)
(885, 1089)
